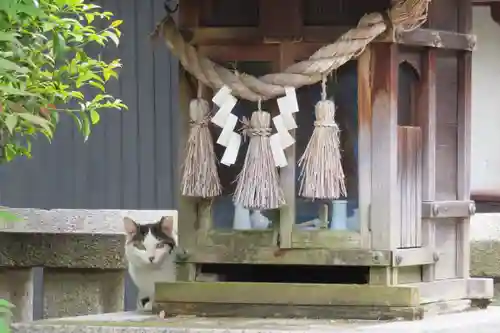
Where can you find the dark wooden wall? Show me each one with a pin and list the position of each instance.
(129, 161)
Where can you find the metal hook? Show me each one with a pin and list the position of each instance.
(167, 7)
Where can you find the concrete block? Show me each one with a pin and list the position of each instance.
(82, 292)
(18, 286)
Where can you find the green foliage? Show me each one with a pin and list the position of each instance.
(44, 67)
(5, 314)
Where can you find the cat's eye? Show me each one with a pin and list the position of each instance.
(160, 245)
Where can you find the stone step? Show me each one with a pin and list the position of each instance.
(480, 321)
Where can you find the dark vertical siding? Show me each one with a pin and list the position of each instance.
(129, 160)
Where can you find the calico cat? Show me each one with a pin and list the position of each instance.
(150, 252)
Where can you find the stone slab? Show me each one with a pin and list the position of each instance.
(78, 221)
(479, 321)
(62, 250)
(69, 238)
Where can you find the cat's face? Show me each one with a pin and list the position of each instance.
(149, 244)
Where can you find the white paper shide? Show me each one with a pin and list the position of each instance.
(227, 121)
(284, 122)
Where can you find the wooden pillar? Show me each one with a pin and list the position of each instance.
(287, 174)
(464, 138)
(384, 202)
(188, 207)
(365, 145)
(426, 119)
(384, 207)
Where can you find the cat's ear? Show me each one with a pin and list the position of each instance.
(130, 226)
(167, 225)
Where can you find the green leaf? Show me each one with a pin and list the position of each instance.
(77, 120)
(6, 304)
(11, 122)
(116, 23)
(38, 40)
(37, 120)
(59, 45)
(98, 85)
(77, 95)
(4, 310)
(100, 97)
(30, 10)
(85, 126)
(90, 17)
(106, 73)
(9, 65)
(112, 36)
(7, 36)
(14, 91)
(94, 116)
(16, 107)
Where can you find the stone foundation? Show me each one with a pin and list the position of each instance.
(480, 321)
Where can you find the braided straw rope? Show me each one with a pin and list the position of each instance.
(405, 15)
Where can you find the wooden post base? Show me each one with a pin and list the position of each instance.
(322, 301)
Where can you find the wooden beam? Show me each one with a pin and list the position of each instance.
(485, 196)
(326, 239)
(228, 53)
(447, 209)
(413, 257)
(272, 256)
(318, 36)
(285, 311)
(286, 293)
(280, 20)
(484, 2)
(435, 39)
(189, 13)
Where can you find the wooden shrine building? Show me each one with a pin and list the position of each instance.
(400, 79)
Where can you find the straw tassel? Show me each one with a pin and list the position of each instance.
(258, 185)
(200, 177)
(322, 176)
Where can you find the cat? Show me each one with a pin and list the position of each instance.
(150, 252)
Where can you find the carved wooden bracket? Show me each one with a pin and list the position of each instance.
(446, 209)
